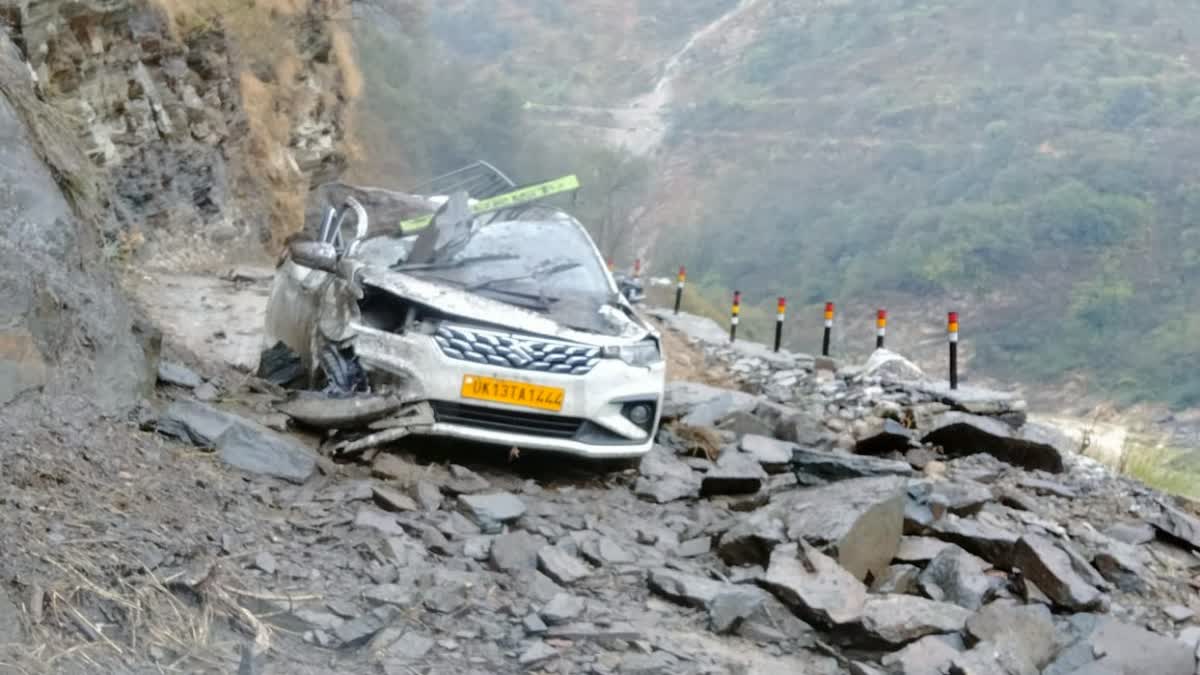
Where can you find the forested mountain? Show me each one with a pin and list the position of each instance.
(1034, 162)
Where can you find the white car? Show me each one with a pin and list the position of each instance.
(506, 329)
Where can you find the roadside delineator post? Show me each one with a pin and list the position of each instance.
(637, 267)
(679, 287)
(880, 328)
(828, 329)
(952, 335)
(780, 314)
(734, 313)
(611, 265)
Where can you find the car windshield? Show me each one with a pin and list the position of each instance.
(533, 263)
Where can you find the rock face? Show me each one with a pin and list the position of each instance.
(65, 332)
(200, 151)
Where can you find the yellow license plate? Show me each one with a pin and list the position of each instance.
(512, 393)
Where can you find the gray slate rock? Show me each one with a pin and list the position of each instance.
(429, 495)
(892, 437)
(411, 647)
(687, 589)
(750, 540)
(561, 566)
(899, 619)
(360, 630)
(920, 549)
(1030, 627)
(892, 367)
(830, 466)
(667, 489)
(1121, 564)
(897, 579)
(516, 551)
(178, 375)
(536, 653)
(815, 586)
(1135, 533)
(735, 473)
(256, 449)
(563, 607)
(961, 434)
(392, 500)
(694, 548)
(987, 541)
(384, 522)
(956, 576)
(1049, 566)
(928, 656)
(196, 423)
(1178, 526)
(774, 455)
(604, 551)
(491, 511)
(860, 522)
(702, 405)
(962, 498)
(1102, 643)
(732, 606)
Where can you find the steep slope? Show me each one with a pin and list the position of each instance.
(209, 118)
(65, 331)
(1029, 163)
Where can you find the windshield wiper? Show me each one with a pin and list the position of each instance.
(537, 275)
(450, 264)
(542, 299)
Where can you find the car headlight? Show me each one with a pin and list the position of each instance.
(642, 354)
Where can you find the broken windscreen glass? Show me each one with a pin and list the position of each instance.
(540, 258)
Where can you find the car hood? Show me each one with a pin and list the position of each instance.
(575, 320)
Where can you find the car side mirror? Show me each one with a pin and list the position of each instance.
(314, 255)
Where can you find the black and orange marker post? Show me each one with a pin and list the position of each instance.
(679, 287)
(880, 328)
(734, 314)
(952, 336)
(828, 329)
(780, 315)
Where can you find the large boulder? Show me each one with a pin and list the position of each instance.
(858, 522)
(65, 331)
(960, 434)
(891, 367)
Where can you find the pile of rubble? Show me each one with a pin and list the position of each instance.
(921, 529)
(857, 520)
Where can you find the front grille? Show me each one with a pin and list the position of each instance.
(491, 419)
(517, 352)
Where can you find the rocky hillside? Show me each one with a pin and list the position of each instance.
(908, 155)
(812, 516)
(208, 120)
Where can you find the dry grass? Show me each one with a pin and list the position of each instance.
(276, 44)
(1162, 467)
(170, 621)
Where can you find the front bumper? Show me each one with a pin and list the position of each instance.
(590, 424)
